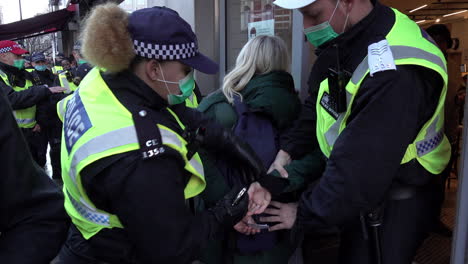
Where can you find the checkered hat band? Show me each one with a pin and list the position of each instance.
(6, 49)
(165, 52)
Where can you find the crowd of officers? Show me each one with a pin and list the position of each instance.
(138, 164)
(34, 84)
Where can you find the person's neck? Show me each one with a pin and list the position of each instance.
(362, 10)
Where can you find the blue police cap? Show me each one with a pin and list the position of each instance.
(160, 33)
(38, 57)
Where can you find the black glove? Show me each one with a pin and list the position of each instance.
(228, 213)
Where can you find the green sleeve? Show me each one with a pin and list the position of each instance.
(304, 171)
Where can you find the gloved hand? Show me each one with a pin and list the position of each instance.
(228, 214)
(77, 81)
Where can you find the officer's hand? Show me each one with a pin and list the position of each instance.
(243, 227)
(285, 215)
(36, 128)
(259, 199)
(57, 89)
(77, 81)
(282, 159)
(228, 213)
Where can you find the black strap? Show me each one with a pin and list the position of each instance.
(149, 137)
(36, 79)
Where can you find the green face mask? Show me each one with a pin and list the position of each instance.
(186, 86)
(323, 33)
(19, 64)
(81, 61)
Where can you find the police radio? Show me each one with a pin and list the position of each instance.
(337, 81)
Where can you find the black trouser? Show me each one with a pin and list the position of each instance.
(111, 248)
(406, 224)
(443, 179)
(37, 143)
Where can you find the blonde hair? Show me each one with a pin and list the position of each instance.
(106, 41)
(261, 55)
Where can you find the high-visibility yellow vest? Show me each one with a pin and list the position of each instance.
(26, 118)
(431, 147)
(56, 69)
(97, 125)
(192, 101)
(70, 86)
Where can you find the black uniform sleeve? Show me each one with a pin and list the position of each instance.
(26, 98)
(33, 222)
(301, 138)
(148, 197)
(387, 114)
(217, 139)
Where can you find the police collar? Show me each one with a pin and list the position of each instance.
(8, 69)
(14, 74)
(132, 91)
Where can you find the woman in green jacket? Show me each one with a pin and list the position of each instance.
(262, 81)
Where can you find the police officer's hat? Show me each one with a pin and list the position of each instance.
(160, 33)
(38, 57)
(293, 4)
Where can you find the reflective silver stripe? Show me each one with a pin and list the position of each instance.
(110, 140)
(400, 52)
(332, 134)
(61, 107)
(64, 81)
(88, 213)
(197, 166)
(432, 139)
(405, 52)
(25, 121)
(169, 137)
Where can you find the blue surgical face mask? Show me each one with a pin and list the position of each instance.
(324, 32)
(40, 67)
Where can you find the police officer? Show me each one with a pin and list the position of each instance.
(41, 72)
(44, 109)
(376, 111)
(57, 67)
(82, 65)
(46, 114)
(130, 168)
(33, 222)
(22, 93)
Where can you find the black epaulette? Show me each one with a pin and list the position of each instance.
(149, 137)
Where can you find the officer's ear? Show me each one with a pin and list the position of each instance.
(347, 5)
(3, 56)
(153, 70)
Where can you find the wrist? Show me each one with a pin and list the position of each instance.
(275, 185)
